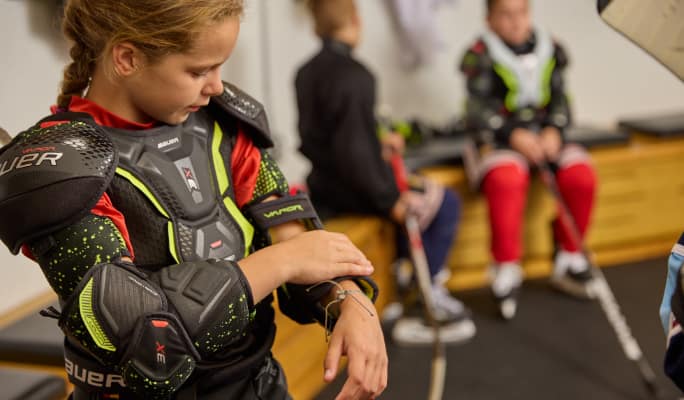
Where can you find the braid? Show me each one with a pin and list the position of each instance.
(76, 75)
(155, 27)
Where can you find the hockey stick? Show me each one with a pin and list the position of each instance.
(655, 26)
(420, 265)
(600, 287)
(4, 137)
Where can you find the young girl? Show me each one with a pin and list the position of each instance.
(159, 192)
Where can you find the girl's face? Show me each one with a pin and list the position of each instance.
(178, 84)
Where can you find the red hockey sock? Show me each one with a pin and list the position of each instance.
(577, 184)
(505, 188)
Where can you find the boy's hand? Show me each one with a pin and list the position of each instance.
(551, 142)
(527, 143)
(392, 143)
(358, 335)
(409, 201)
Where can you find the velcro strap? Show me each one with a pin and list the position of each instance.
(285, 209)
(302, 302)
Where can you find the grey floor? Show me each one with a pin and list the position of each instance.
(556, 348)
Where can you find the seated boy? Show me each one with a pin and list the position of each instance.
(338, 130)
(514, 77)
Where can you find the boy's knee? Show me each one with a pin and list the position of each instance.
(578, 177)
(451, 203)
(507, 177)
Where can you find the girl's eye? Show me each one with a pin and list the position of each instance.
(199, 74)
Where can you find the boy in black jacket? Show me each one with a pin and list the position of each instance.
(338, 129)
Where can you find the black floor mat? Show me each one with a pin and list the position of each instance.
(556, 348)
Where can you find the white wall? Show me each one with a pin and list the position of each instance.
(609, 78)
(30, 69)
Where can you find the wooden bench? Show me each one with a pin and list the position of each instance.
(637, 215)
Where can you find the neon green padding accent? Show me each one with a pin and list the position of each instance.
(223, 184)
(172, 242)
(88, 316)
(246, 228)
(366, 288)
(141, 186)
(403, 128)
(546, 81)
(511, 83)
(219, 168)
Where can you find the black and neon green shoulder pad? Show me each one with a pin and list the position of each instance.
(51, 176)
(234, 103)
(560, 55)
(476, 59)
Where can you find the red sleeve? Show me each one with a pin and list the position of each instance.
(103, 208)
(244, 164)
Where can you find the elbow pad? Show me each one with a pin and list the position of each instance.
(155, 329)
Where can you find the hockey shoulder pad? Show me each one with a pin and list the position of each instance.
(476, 60)
(234, 103)
(51, 176)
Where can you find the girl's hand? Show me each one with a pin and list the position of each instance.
(307, 258)
(319, 255)
(358, 336)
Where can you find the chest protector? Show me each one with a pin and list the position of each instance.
(184, 172)
(172, 183)
(527, 77)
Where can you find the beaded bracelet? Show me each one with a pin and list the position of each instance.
(340, 295)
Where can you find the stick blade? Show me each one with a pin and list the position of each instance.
(654, 25)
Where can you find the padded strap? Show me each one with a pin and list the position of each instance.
(302, 303)
(268, 214)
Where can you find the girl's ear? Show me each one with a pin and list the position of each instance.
(126, 59)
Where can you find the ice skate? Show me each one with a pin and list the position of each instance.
(506, 281)
(572, 275)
